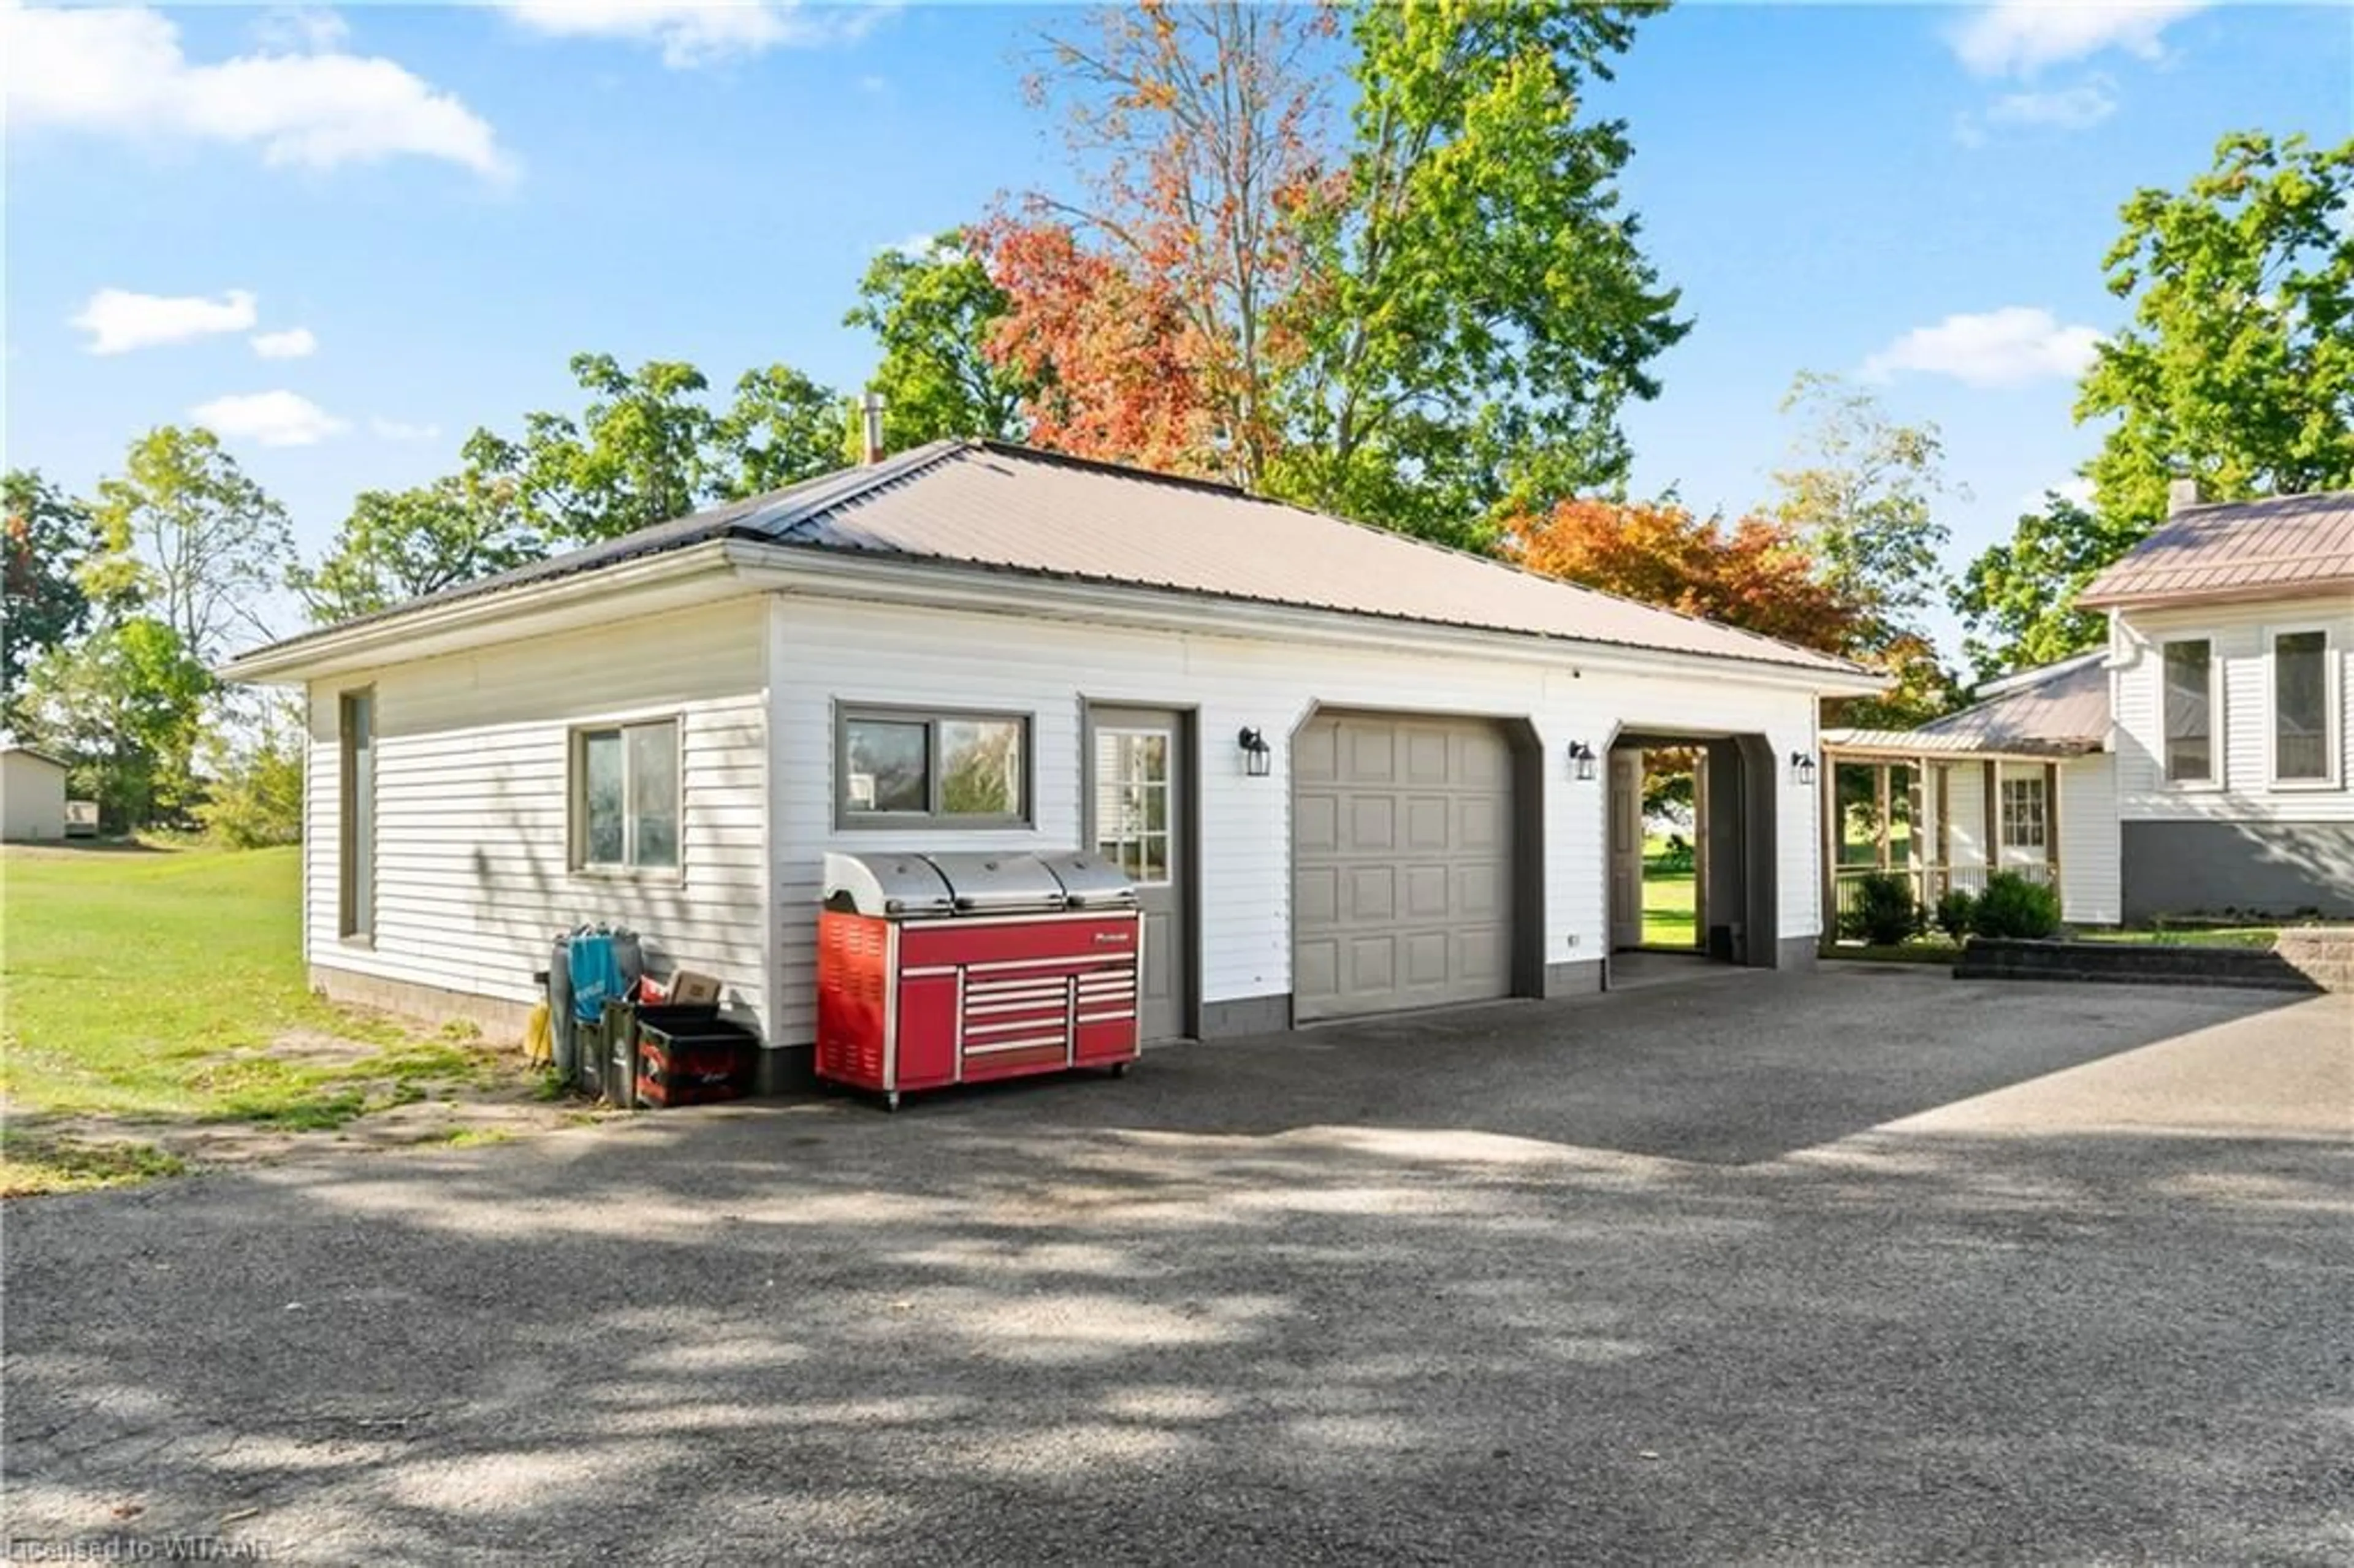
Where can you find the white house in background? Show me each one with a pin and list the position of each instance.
(32, 795)
(2199, 763)
(975, 645)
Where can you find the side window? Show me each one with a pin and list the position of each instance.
(2304, 743)
(2024, 816)
(355, 745)
(2191, 753)
(909, 768)
(625, 797)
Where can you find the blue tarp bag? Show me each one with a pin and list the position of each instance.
(596, 977)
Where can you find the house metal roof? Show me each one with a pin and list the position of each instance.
(2058, 710)
(2287, 545)
(1000, 506)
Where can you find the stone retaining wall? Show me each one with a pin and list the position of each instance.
(2305, 960)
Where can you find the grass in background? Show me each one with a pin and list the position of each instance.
(1670, 898)
(166, 985)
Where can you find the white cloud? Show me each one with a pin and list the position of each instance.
(385, 430)
(122, 73)
(119, 321)
(294, 343)
(2020, 37)
(2015, 345)
(701, 32)
(2077, 108)
(301, 27)
(922, 245)
(269, 418)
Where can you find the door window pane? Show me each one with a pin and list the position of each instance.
(2189, 714)
(2301, 705)
(1133, 800)
(653, 795)
(981, 768)
(604, 784)
(887, 766)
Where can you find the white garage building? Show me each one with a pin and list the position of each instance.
(975, 645)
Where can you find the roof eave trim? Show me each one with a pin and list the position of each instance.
(2165, 598)
(801, 569)
(473, 620)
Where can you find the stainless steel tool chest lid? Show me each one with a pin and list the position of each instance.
(989, 881)
(891, 882)
(1089, 881)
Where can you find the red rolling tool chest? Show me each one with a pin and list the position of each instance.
(954, 968)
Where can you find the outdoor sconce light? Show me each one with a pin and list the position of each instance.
(1258, 758)
(1802, 770)
(1582, 761)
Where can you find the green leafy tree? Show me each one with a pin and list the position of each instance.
(783, 427)
(1428, 313)
(648, 447)
(253, 784)
(402, 544)
(934, 314)
(190, 539)
(2019, 598)
(1862, 495)
(49, 537)
(1477, 309)
(2238, 368)
(123, 708)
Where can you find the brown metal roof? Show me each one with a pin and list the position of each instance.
(1011, 508)
(2288, 546)
(2059, 710)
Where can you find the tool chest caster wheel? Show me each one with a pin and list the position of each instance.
(891, 1100)
(1120, 1069)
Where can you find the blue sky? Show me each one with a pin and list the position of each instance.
(351, 236)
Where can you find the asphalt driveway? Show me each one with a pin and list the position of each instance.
(1857, 1267)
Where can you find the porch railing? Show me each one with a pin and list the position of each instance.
(1931, 882)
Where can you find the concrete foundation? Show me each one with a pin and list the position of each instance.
(2278, 869)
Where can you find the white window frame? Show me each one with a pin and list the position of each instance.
(2042, 842)
(2218, 749)
(2333, 707)
(576, 798)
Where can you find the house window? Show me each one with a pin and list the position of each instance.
(2024, 821)
(2190, 749)
(625, 797)
(356, 835)
(2303, 749)
(900, 767)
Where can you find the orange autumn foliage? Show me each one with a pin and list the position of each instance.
(1755, 573)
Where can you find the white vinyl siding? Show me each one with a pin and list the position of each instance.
(473, 765)
(2087, 812)
(2241, 638)
(830, 653)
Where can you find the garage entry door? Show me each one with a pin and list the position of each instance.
(1400, 864)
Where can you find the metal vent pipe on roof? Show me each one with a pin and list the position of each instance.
(871, 409)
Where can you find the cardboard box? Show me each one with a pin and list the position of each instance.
(688, 988)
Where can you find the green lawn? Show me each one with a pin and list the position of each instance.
(1669, 899)
(166, 986)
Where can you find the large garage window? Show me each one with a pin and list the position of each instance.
(625, 797)
(910, 767)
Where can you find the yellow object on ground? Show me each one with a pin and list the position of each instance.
(538, 1043)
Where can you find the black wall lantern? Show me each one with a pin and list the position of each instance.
(1258, 758)
(1581, 761)
(1802, 770)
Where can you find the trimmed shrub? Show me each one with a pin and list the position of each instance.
(1955, 911)
(2013, 907)
(1886, 913)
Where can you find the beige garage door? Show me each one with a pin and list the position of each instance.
(1401, 865)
